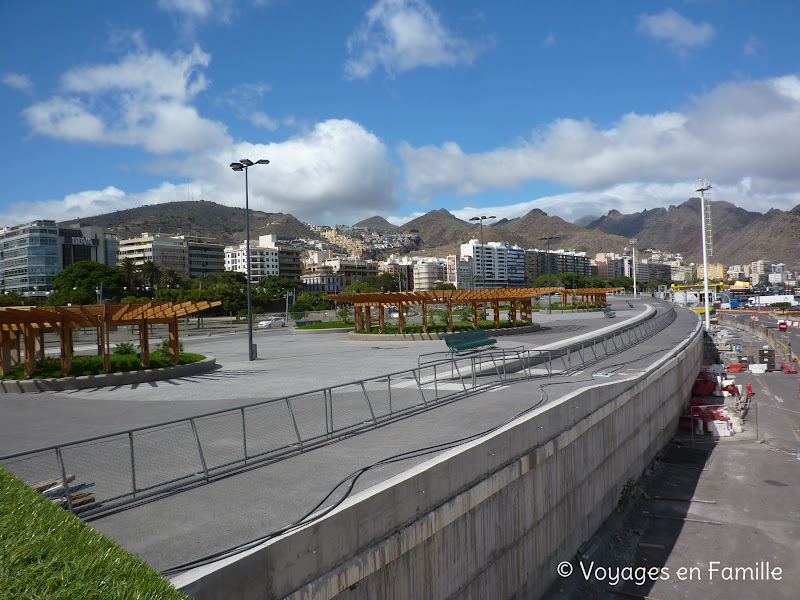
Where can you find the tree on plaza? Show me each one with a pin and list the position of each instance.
(275, 287)
(444, 286)
(79, 283)
(130, 271)
(151, 272)
(311, 302)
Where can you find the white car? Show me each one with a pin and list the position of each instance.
(270, 322)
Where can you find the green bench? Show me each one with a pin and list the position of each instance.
(304, 323)
(464, 341)
(608, 312)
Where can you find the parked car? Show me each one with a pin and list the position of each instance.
(271, 322)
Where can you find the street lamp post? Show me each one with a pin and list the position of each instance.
(633, 264)
(547, 264)
(483, 259)
(243, 165)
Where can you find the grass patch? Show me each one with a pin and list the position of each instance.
(50, 368)
(328, 325)
(45, 552)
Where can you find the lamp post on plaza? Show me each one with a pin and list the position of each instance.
(483, 259)
(243, 165)
(547, 263)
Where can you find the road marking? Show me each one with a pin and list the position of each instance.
(763, 385)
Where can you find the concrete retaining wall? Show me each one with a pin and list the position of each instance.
(106, 379)
(489, 519)
(302, 331)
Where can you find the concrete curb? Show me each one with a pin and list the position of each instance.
(19, 386)
(296, 331)
(424, 337)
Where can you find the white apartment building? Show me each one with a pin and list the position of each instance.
(490, 263)
(263, 261)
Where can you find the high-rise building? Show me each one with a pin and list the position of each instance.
(204, 256)
(490, 269)
(29, 258)
(263, 261)
(427, 275)
(515, 266)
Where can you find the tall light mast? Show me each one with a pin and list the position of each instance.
(704, 186)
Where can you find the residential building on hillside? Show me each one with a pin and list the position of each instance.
(490, 268)
(167, 251)
(352, 270)
(610, 265)
(318, 277)
(29, 258)
(460, 272)
(716, 272)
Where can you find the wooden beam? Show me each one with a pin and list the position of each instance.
(65, 344)
(174, 345)
(30, 351)
(401, 317)
(144, 343)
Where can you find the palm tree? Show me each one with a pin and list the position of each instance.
(151, 271)
(170, 278)
(130, 270)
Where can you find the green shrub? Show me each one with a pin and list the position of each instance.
(124, 348)
(165, 349)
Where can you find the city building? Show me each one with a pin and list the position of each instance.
(29, 258)
(204, 256)
(263, 261)
(167, 251)
(427, 275)
(541, 262)
(490, 269)
(716, 272)
(515, 266)
(403, 271)
(290, 264)
(87, 243)
(460, 272)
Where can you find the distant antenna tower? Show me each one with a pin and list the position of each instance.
(704, 187)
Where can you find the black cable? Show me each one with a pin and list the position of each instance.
(353, 477)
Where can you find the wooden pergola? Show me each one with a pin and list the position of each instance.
(29, 324)
(364, 303)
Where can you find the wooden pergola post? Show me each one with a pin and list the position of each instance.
(401, 317)
(381, 311)
(450, 316)
(474, 315)
(174, 344)
(102, 328)
(512, 312)
(38, 343)
(9, 350)
(144, 343)
(65, 343)
(367, 318)
(424, 317)
(496, 306)
(30, 350)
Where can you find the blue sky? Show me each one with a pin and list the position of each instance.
(397, 107)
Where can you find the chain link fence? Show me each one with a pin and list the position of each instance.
(109, 471)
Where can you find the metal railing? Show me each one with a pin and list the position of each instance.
(131, 465)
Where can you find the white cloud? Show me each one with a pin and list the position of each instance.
(335, 173)
(142, 100)
(752, 45)
(549, 40)
(20, 82)
(199, 10)
(677, 31)
(400, 35)
(738, 130)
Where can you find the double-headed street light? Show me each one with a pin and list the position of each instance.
(243, 165)
(483, 259)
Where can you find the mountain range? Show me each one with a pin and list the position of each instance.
(738, 236)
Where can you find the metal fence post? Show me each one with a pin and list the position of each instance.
(133, 463)
(64, 482)
(199, 447)
(244, 436)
